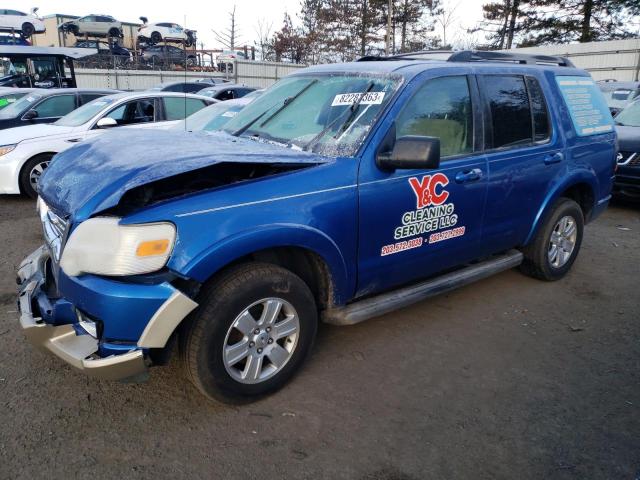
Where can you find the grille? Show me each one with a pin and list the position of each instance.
(628, 158)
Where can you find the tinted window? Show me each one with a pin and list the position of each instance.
(191, 88)
(163, 24)
(87, 97)
(441, 108)
(541, 130)
(177, 108)
(57, 106)
(224, 95)
(510, 112)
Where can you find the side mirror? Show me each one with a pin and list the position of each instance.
(411, 151)
(30, 115)
(106, 122)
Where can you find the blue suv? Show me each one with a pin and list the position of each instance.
(343, 192)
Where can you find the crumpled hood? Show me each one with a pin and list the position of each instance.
(628, 138)
(10, 136)
(93, 175)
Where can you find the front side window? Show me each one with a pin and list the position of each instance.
(176, 108)
(441, 108)
(328, 114)
(57, 106)
(134, 112)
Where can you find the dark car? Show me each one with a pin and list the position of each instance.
(47, 106)
(104, 48)
(226, 91)
(183, 87)
(213, 80)
(618, 94)
(167, 55)
(14, 40)
(627, 182)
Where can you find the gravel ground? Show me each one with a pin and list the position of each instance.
(506, 378)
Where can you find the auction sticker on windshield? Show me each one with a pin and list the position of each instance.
(368, 98)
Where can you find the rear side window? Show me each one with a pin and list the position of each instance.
(177, 108)
(587, 107)
(541, 124)
(510, 110)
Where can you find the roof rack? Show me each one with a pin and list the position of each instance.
(520, 58)
(474, 56)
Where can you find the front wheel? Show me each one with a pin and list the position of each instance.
(156, 37)
(31, 173)
(557, 243)
(254, 328)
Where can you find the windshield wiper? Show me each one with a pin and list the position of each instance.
(248, 125)
(353, 108)
(288, 101)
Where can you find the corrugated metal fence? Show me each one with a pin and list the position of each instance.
(253, 74)
(617, 59)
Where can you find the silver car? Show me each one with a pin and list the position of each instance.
(95, 25)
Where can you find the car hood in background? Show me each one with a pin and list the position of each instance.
(628, 138)
(92, 176)
(14, 135)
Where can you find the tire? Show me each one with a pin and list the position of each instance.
(114, 32)
(238, 298)
(190, 62)
(156, 37)
(27, 29)
(556, 245)
(34, 167)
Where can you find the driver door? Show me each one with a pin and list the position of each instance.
(417, 223)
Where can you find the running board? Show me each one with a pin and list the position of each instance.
(384, 303)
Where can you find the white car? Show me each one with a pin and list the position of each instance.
(25, 23)
(26, 151)
(152, 33)
(95, 25)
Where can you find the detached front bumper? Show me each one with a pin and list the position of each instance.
(65, 336)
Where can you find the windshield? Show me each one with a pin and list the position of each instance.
(211, 118)
(20, 105)
(85, 113)
(9, 98)
(618, 98)
(630, 116)
(327, 114)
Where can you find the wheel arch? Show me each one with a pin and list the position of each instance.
(307, 252)
(580, 188)
(24, 163)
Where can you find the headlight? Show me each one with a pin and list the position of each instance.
(4, 149)
(104, 247)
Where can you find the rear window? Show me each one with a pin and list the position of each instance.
(587, 107)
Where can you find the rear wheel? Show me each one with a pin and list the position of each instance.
(253, 330)
(114, 32)
(27, 29)
(31, 173)
(557, 243)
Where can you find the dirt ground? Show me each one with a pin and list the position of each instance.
(507, 378)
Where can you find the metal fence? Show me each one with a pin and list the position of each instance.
(113, 72)
(615, 59)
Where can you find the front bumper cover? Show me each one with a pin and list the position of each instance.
(80, 351)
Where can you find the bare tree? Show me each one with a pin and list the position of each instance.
(446, 18)
(229, 36)
(263, 29)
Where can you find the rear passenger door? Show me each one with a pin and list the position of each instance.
(415, 223)
(524, 154)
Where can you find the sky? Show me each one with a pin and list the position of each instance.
(205, 16)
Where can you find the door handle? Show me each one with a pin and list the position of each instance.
(553, 158)
(469, 175)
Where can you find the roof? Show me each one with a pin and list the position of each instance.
(154, 93)
(21, 50)
(53, 91)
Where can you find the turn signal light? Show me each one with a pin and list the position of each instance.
(152, 247)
